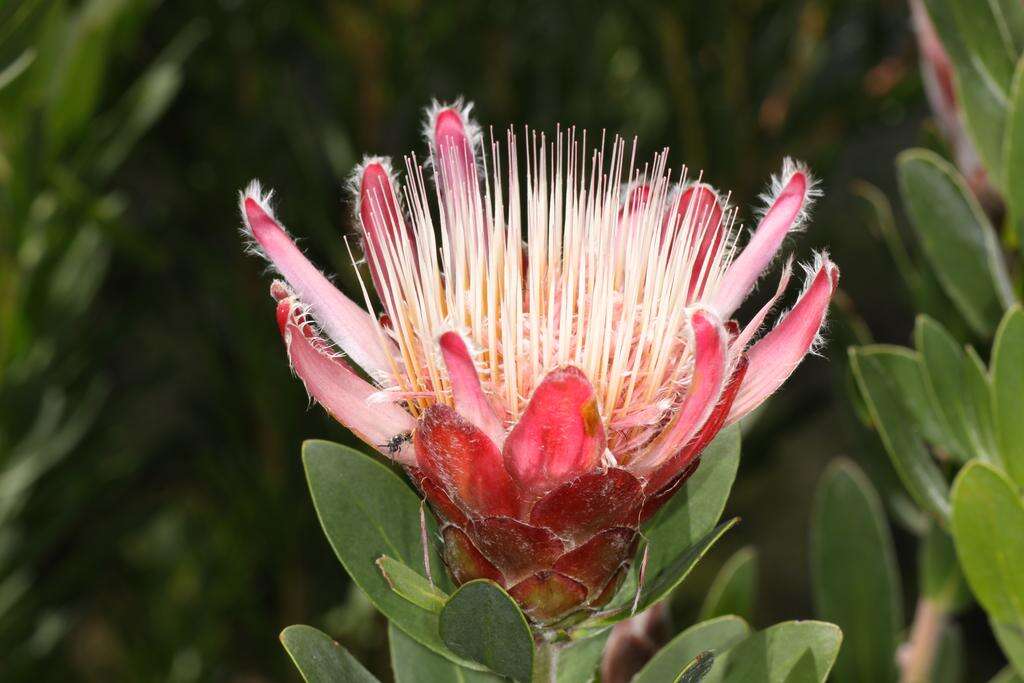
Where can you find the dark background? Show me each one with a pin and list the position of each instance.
(177, 537)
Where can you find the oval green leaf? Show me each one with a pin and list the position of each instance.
(483, 624)
(368, 512)
(411, 585)
(1007, 675)
(1011, 639)
(1010, 15)
(942, 360)
(1008, 388)
(791, 651)
(578, 660)
(853, 566)
(696, 508)
(886, 377)
(411, 662)
(696, 670)
(978, 406)
(716, 635)
(661, 586)
(734, 590)
(988, 529)
(948, 666)
(956, 238)
(321, 660)
(983, 59)
(1014, 153)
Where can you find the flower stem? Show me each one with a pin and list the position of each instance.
(545, 663)
(917, 656)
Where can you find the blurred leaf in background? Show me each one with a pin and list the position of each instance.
(63, 132)
(948, 420)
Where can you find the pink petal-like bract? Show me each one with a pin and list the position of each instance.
(775, 356)
(709, 374)
(560, 434)
(744, 337)
(384, 232)
(457, 454)
(700, 204)
(781, 218)
(470, 400)
(348, 325)
(339, 390)
(454, 149)
(681, 464)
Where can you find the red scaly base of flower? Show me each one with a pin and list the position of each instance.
(560, 549)
(570, 551)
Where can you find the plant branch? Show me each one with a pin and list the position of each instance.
(917, 656)
(545, 663)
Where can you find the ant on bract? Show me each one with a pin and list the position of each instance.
(396, 442)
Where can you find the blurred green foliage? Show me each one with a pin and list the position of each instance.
(154, 520)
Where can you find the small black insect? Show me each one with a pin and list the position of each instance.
(396, 442)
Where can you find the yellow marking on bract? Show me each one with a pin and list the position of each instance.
(591, 418)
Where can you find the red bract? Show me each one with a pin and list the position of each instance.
(556, 353)
(558, 436)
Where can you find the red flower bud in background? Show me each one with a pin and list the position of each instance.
(560, 345)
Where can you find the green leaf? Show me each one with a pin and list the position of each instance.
(987, 39)
(1011, 639)
(926, 293)
(411, 585)
(988, 529)
(695, 671)
(886, 377)
(482, 623)
(914, 395)
(321, 660)
(792, 651)
(412, 663)
(1014, 153)
(978, 407)
(17, 67)
(75, 90)
(1010, 14)
(941, 580)
(856, 583)
(956, 238)
(366, 512)
(578, 661)
(1008, 385)
(949, 659)
(697, 507)
(686, 519)
(943, 363)
(666, 581)
(1007, 675)
(734, 590)
(143, 104)
(983, 63)
(716, 635)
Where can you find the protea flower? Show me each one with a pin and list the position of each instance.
(554, 345)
